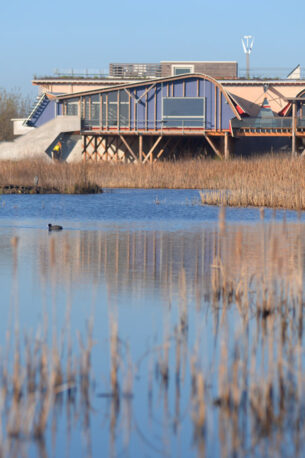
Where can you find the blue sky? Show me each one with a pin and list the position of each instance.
(36, 37)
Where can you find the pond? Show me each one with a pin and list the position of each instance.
(150, 326)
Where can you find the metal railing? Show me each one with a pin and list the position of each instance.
(39, 101)
(123, 70)
(160, 125)
(262, 123)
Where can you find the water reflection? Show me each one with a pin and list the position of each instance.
(138, 261)
(197, 337)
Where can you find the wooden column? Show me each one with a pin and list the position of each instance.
(213, 146)
(101, 111)
(107, 120)
(140, 148)
(294, 126)
(149, 155)
(226, 146)
(118, 111)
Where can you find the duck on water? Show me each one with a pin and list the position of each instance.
(54, 227)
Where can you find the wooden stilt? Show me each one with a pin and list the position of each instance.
(140, 148)
(213, 146)
(226, 146)
(129, 148)
(150, 153)
(294, 125)
(161, 151)
(95, 148)
(86, 144)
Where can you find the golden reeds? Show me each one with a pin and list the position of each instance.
(269, 181)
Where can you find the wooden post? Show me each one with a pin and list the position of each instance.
(226, 146)
(95, 147)
(129, 108)
(213, 146)
(107, 120)
(101, 111)
(140, 148)
(135, 114)
(146, 111)
(293, 133)
(128, 148)
(106, 145)
(118, 111)
(155, 109)
(215, 108)
(149, 155)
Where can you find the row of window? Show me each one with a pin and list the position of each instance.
(112, 110)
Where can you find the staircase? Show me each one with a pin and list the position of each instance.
(38, 107)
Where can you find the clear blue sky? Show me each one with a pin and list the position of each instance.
(36, 37)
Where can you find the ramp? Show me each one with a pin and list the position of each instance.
(36, 143)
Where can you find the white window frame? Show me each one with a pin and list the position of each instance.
(189, 66)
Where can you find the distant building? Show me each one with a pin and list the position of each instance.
(121, 73)
(216, 69)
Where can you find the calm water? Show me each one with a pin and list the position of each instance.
(143, 259)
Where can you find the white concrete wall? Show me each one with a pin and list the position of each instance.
(35, 143)
(19, 128)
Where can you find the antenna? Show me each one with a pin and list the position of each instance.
(247, 42)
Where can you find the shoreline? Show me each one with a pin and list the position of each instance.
(21, 190)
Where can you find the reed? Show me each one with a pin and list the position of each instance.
(269, 181)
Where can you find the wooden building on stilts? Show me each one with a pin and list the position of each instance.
(144, 121)
(169, 117)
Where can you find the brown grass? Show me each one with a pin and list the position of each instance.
(263, 181)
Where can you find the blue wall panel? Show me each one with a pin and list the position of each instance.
(140, 108)
(159, 105)
(227, 113)
(151, 108)
(208, 93)
(191, 88)
(59, 109)
(178, 88)
(47, 115)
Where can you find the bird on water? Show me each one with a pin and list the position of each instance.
(54, 227)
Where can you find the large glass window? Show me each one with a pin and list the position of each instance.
(183, 111)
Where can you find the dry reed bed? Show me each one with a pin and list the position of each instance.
(266, 181)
